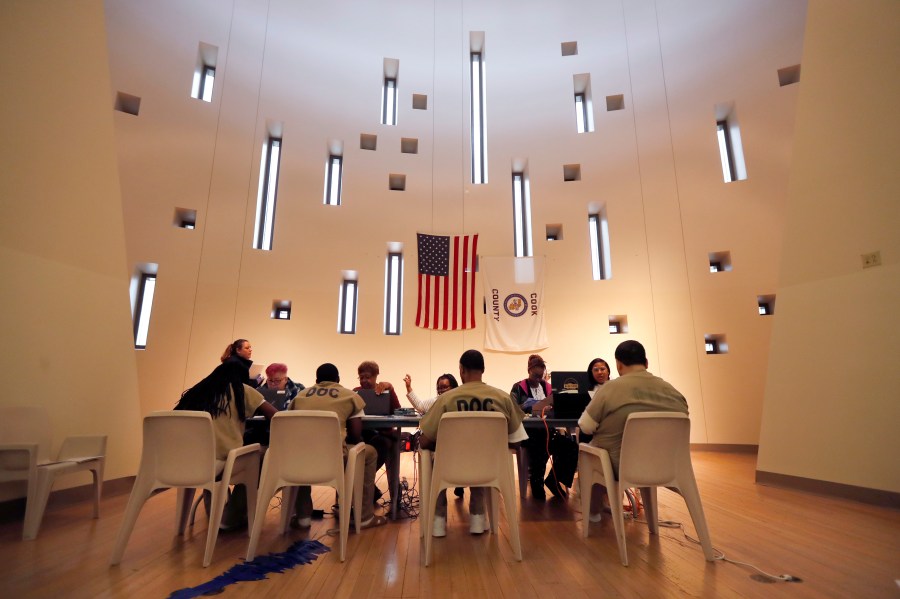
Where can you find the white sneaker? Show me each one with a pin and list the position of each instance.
(596, 517)
(477, 524)
(440, 527)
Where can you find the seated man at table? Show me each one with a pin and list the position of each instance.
(327, 394)
(636, 390)
(473, 394)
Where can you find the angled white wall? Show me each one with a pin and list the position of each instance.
(64, 308)
(832, 402)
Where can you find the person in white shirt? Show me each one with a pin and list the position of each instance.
(444, 383)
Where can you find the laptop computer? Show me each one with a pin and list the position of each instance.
(376, 405)
(570, 393)
(275, 397)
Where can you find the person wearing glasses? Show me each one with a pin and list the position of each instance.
(277, 379)
(382, 441)
(444, 383)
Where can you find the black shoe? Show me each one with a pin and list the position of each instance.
(537, 490)
(458, 491)
(378, 495)
(554, 486)
(233, 526)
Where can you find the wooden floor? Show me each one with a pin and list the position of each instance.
(839, 549)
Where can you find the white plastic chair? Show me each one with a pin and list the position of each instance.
(655, 453)
(426, 465)
(462, 463)
(306, 448)
(24, 455)
(180, 451)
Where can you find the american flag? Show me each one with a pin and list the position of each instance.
(446, 282)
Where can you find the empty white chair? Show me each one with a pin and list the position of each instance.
(462, 463)
(306, 448)
(180, 451)
(24, 455)
(655, 453)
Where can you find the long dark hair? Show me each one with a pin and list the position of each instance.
(211, 394)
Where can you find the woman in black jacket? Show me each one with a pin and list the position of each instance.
(239, 353)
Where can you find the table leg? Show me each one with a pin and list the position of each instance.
(522, 466)
(393, 472)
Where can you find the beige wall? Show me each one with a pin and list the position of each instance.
(64, 298)
(832, 403)
(316, 68)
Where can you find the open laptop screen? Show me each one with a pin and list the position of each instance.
(570, 393)
(274, 396)
(566, 381)
(376, 405)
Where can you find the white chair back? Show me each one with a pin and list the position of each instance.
(655, 453)
(307, 446)
(655, 446)
(476, 447)
(179, 449)
(472, 451)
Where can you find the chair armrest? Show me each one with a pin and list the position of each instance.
(234, 456)
(244, 450)
(596, 451)
(82, 448)
(355, 451)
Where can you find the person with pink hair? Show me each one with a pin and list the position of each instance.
(277, 379)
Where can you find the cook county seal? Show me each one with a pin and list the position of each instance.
(515, 304)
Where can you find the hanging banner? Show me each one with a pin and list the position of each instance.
(514, 293)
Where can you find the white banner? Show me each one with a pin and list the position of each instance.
(514, 292)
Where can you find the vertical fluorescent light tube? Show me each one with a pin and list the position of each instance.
(725, 151)
(606, 258)
(596, 260)
(518, 216)
(148, 287)
(349, 296)
(580, 123)
(526, 207)
(478, 137)
(393, 294)
(274, 162)
(333, 181)
(389, 102)
(268, 191)
(195, 85)
(209, 77)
